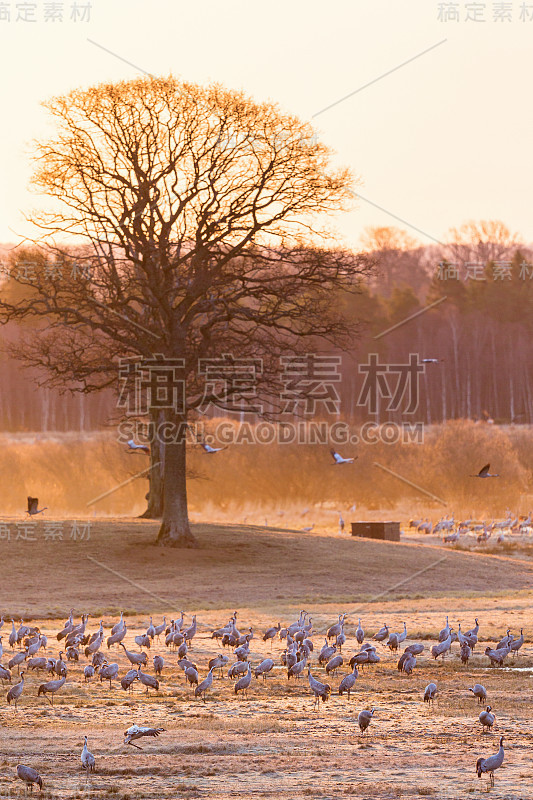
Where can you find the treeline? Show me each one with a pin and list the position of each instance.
(466, 305)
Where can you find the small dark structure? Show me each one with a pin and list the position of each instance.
(377, 530)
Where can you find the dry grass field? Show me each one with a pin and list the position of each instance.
(272, 744)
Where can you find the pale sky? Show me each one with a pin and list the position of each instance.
(440, 140)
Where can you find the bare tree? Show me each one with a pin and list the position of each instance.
(481, 242)
(193, 213)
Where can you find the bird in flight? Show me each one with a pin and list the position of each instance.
(340, 460)
(137, 732)
(208, 449)
(484, 473)
(33, 502)
(134, 447)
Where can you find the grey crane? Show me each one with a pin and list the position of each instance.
(29, 776)
(5, 674)
(348, 682)
(516, 644)
(33, 509)
(242, 652)
(206, 684)
(98, 659)
(150, 630)
(382, 634)
(73, 654)
(119, 625)
(37, 663)
(340, 640)
(416, 648)
(320, 690)
(129, 679)
(69, 624)
(507, 639)
(335, 629)
(442, 648)
(479, 691)
(245, 638)
(296, 670)
(270, 634)
(135, 448)
(184, 664)
(95, 645)
(191, 631)
(466, 652)
(360, 659)
(179, 623)
(13, 635)
(219, 662)
(264, 668)
(407, 663)
(334, 664)
(244, 682)
(462, 639)
(425, 527)
(88, 761)
(395, 639)
(487, 719)
(364, 719)
(178, 640)
(484, 472)
(147, 680)
(88, 672)
(144, 640)
(445, 632)
(191, 676)
(60, 667)
(159, 629)
(99, 633)
(338, 459)
(497, 656)
(327, 652)
(17, 660)
(14, 694)
(108, 672)
(137, 732)
(117, 637)
(135, 658)
(471, 638)
(51, 688)
(300, 636)
(159, 663)
(429, 693)
(490, 764)
(359, 633)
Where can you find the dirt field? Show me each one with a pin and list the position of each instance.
(272, 744)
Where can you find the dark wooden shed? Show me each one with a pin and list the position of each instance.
(377, 530)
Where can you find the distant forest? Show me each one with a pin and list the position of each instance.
(478, 331)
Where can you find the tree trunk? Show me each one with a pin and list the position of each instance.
(155, 494)
(175, 530)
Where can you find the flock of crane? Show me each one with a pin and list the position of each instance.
(28, 641)
(452, 531)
